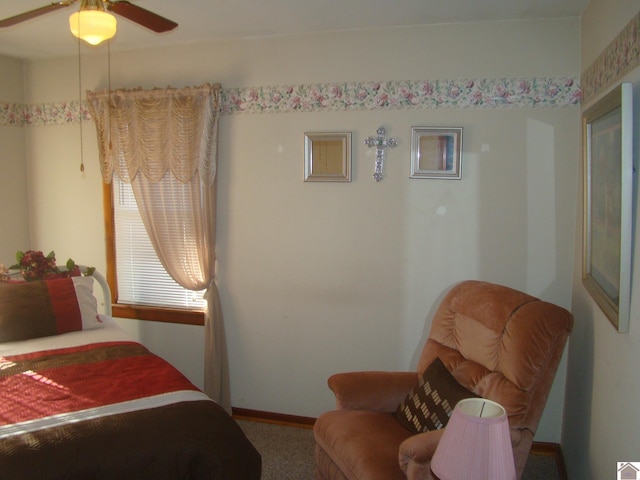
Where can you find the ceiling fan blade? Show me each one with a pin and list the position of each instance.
(141, 16)
(7, 22)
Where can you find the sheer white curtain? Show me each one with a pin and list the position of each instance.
(164, 142)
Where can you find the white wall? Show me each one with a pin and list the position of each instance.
(601, 407)
(14, 215)
(317, 278)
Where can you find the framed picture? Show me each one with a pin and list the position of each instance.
(436, 152)
(608, 185)
(327, 157)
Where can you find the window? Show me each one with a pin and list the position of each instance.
(141, 286)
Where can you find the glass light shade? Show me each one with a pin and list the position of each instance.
(476, 444)
(93, 26)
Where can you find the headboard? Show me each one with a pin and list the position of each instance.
(106, 291)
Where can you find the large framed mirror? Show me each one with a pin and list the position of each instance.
(607, 131)
(436, 152)
(327, 157)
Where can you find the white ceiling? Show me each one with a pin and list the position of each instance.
(49, 36)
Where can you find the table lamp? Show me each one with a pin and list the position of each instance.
(476, 444)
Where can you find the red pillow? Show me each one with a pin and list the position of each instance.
(47, 307)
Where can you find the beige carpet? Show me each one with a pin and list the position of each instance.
(287, 453)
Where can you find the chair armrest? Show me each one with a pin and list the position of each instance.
(373, 391)
(415, 454)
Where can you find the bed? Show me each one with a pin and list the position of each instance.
(80, 400)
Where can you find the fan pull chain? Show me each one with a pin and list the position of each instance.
(109, 92)
(80, 107)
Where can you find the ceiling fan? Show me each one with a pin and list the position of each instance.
(126, 9)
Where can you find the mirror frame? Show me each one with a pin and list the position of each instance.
(452, 155)
(312, 174)
(607, 135)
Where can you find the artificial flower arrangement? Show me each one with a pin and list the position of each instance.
(34, 265)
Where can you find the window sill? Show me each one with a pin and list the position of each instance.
(158, 314)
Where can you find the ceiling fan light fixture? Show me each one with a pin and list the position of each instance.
(93, 26)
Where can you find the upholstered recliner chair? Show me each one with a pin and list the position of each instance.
(499, 343)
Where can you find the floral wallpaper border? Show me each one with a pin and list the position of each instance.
(620, 57)
(391, 95)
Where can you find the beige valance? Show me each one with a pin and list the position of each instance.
(155, 131)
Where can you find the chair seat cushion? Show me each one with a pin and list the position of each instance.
(363, 445)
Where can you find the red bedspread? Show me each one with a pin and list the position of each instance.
(181, 439)
(59, 381)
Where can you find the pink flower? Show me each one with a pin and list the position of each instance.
(427, 89)
(336, 91)
(317, 96)
(524, 87)
(252, 96)
(383, 99)
(404, 92)
(575, 97)
(476, 97)
(361, 94)
(501, 91)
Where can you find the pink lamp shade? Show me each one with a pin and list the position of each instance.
(476, 444)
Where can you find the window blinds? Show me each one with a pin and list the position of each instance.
(142, 280)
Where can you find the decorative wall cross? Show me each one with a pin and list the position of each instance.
(380, 143)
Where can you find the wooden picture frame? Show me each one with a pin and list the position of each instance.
(608, 201)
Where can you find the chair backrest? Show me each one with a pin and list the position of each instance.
(503, 344)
